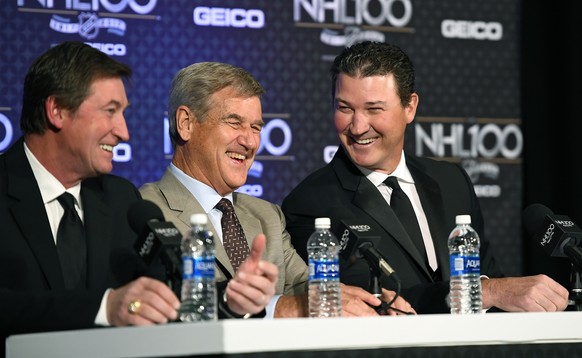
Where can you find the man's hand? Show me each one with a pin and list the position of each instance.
(253, 286)
(357, 302)
(400, 304)
(151, 300)
(530, 294)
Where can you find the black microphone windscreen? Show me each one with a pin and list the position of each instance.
(364, 247)
(533, 218)
(142, 211)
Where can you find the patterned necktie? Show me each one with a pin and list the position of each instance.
(401, 205)
(71, 245)
(233, 236)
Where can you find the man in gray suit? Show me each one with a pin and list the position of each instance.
(215, 123)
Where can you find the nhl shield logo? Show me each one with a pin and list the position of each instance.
(88, 25)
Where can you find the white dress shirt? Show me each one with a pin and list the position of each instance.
(208, 198)
(406, 182)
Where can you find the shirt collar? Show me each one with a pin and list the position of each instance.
(401, 172)
(206, 196)
(50, 187)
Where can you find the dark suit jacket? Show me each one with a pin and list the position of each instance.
(340, 191)
(32, 293)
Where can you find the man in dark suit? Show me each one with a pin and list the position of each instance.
(72, 118)
(374, 101)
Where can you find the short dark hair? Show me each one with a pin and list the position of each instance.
(369, 58)
(65, 71)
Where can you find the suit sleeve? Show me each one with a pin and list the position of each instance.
(37, 311)
(296, 274)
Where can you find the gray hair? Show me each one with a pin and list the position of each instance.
(194, 85)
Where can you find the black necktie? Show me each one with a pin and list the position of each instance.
(71, 244)
(405, 213)
(233, 236)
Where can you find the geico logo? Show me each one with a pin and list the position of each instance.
(355, 12)
(110, 49)
(268, 133)
(122, 153)
(488, 141)
(251, 189)
(8, 132)
(329, 152)
(548, 235)
(478, 30)
(565, 223)
(109, 5)
(224, 17)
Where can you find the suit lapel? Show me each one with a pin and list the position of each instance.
(433, 207)
(97, 223)
(30, 215)
(250, 224)
(184, 204)
(367, 198)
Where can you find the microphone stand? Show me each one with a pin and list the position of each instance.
(173, 268)
(375, 286)
(575, 299)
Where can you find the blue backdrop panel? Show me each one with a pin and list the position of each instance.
(465, 54)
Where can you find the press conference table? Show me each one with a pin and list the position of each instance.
(503, 334)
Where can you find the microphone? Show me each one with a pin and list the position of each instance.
(375, 258)
(357, 241)
(557, 234)
(158, 239)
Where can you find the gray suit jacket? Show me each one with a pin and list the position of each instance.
(256, 216)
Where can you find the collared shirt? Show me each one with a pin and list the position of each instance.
(205, 195)
(208, 198)
(407, 184)
(50, 189)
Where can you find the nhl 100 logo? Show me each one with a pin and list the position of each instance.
(141, 7)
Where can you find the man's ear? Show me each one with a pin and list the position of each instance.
(410, 109)
(54, 112)
(184, 122)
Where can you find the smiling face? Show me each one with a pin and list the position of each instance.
(370, 120)
(220, 150)
(88, 135)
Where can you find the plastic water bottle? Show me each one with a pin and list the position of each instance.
(198, 284)
(324, 276)
(465, 284)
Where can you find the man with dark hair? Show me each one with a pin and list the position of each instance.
(55, 181)
(374, 100)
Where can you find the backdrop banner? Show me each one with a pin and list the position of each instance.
(465, 55)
